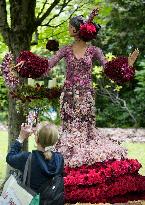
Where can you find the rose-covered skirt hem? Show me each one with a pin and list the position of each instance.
(111, 181)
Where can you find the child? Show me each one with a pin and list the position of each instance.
(45, 164)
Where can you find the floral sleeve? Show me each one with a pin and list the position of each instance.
(55, 59)
(98, 55)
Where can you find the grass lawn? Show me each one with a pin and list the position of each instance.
(136, 151)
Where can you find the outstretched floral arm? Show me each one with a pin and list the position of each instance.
(34, 66)
(56, 58)
(119, 69)
(98, 55)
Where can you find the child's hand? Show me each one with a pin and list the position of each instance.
(26, 131)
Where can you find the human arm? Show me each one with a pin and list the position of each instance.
(132, 57)
(98, 55)
(15, 157)
(55, 59)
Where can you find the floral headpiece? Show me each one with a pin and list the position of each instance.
(89, 29)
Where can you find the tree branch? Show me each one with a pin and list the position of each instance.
(40, 20)
(42, 39)
(58, 24)
(39, 14)
(60, 11)
(4, 27)
(48, 23)
(114, 97)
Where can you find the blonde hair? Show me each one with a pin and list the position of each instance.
(47, 135)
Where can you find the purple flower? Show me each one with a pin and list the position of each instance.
(11, 80)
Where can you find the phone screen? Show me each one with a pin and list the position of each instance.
(32, 118)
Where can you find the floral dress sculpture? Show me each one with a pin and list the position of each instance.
(96, 168)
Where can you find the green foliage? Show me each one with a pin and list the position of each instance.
(140, 76)
(3, 100)
(3, 95)
(43, 104)
(125, 29)
(3, 48)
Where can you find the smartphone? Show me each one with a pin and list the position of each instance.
(32, 118)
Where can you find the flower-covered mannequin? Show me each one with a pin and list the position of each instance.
(97, 169)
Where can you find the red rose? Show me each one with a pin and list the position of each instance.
(88, 31)
(34, 66)
(119, 71)
(52, 45)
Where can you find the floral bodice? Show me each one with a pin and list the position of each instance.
(78, 71)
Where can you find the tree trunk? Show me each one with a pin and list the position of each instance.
(18, 36)
(15, 119)
(22, 28)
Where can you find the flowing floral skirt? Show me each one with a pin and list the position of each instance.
(80, 141)
(96, 169)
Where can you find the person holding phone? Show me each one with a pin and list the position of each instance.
(45, 164)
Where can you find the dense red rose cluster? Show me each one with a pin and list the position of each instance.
(100, 172)
(34, 66)
(52, 45)
(119, 71)
(103, 181)
(88, 31)
(106, 192)
(130, 196)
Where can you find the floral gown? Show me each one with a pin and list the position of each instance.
(80, 142)
(96, 168)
